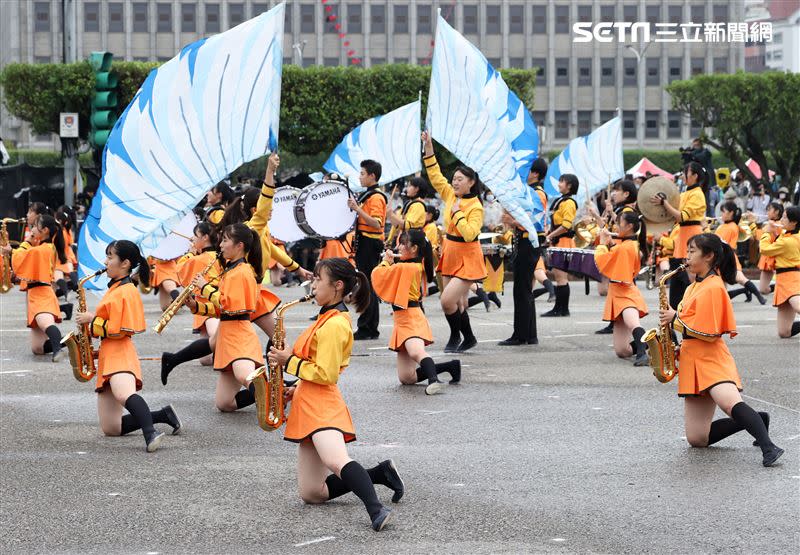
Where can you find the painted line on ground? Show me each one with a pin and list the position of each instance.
(317, 540)
(772, 404)
(16, 371)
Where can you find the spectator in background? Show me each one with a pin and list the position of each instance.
(4, 156)
(758, 203)
(783, 197)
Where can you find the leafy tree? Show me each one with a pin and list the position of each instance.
(747, 115)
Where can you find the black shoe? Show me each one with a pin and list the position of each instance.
(748, 296)
(510, 342)
(606, 330)
(381, 519)
(362, 336)
(452, 345)
(455, 374)
(66, 308)
(173, 420)
(314, 318)
(58, 355)
(393, 480)
(772, 455)
(642, 360)
(495, 299)
(533, 341)
(166, 366)
(554, 313)
(153, 441)
(764, 418)
(467, 344)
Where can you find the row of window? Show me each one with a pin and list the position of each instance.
(378, 13)
(583, 121)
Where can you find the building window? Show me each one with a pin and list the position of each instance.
(653, 71)
(308, 62)
(91, 17)
(212, 18)
(651, 124)
(698, 13)
(188, 18)
(541, 75)
(377, 61)
(331, 19)
(330, 62)
(41, 60)
(630, 14)
(164, 13)
(629, 124)
(41, 16)
(424, 18)
(288, 61)
(608, 13)
(423, 62)
(470, 20)
(584, 122)
(307, 19)
(540, 20)
(675, 14)
(562, 19)
(698, 66)
(400, 19)
(584, 72)
(584, 14)
(518, 63)
(777, 38)
(516, 15)
(653, 16)
(562, 125)
(673, 124)
(141, 59)
(777, 55)
(400, 60)
(115, 23)
(492, 20)
(675, 67)
(629, 72)
(354, 18)
(378, 19)
(139, 16)
(287, 23)
(261, 7)
(539, 117)
(720, 13)
(721, 65)
(694, 128)
(607, 115)
(562, 71)
(235, 14)
(607, 67)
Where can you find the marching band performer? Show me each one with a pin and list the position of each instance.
(689, 216)
(164, 278)
(412, 214)
(434, 235)
(339, 248)
(401, 283)
(767, 263)
(371, 210)
(217, 200)
(35, 267)
(786, 250)
(625, 305)
(67, 270)
(708, 377)
(319, 420)
(563, 212)
(461, 261)
(728, 231)
(118, 317)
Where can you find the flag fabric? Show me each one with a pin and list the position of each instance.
(195, 119)
(473, 114)
(391, 139)
(595, 159)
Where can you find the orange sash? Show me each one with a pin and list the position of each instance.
(302, 346)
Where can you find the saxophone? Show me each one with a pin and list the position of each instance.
(179, 301)
(659, 342)
(5, 279)
(268, 380)
(79, 343)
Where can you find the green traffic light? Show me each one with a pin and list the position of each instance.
(104, 100)
(99, 138)
(103, 119)
(101, 61)
(106, 80)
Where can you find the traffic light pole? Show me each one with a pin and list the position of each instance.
(69, 147)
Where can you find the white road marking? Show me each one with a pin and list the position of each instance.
(792, 438)
(431, 412)
(553, 397)
(383, 348)
(492, 324)
(114, 494)
(14, 331)
(318, 540)
(597, 408)
(558, 539)
(16, 371)
(80, 452)
(524, 385)
(772, 404)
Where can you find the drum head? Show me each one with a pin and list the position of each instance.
(322, 209)
(282, 224)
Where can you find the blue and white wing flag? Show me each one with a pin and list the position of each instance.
(391, 139)
(473, 114)
(595, 159)
(194, 120)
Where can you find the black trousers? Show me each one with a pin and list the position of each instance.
(524, 305)
(368, 256)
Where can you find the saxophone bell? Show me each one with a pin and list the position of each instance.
(660, 347)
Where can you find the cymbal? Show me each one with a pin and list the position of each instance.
(654, 213)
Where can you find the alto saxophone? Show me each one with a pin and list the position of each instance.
(79, 343)
(5, 279)
(660, 346)
(179, 301)
(268, 380)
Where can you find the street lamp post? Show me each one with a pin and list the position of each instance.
(640, 54)
(298, 49)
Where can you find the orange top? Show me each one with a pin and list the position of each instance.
(322, 351)
(336, 248)
(706, 311)
(236, 293)
(619, 263)
(120, 311)
(397, 284)
(191, 265)
(68, 245)
(374, 204)
(34, 263)
(729, 233)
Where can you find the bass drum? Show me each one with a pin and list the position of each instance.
(282, 224)
(321, 210)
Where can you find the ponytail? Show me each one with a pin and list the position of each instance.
(700, 171)
(355, 282)
(56, 237)
(730, 206)
(241, 209)
(723, 260)
(127, 250)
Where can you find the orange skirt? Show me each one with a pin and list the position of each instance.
(236, 340)
(684, 234)
(164, 270)
(462, 260)
(408, 323)
(266, 302)
(42, 299)
(316, 407)
(621, 296)
(787, 285)
(565, 243)
(703, 364)
(65, 268)
(117, 355)
(766, 263)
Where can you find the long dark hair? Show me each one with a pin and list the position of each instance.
(469, 173)
(424, 190)
(127, 250)
(793, 214)
(355, 282)
(39, 208)
(240, 233)
(639, 228)
(700, 171)
(66, 217)
(49, 223)
(225, 190)
(724, 259)
(730, 206)
(417, 237)
(205, 228)
(241, 209)
(778, 207)
(626, 186)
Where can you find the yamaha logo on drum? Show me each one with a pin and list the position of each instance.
(326, 193)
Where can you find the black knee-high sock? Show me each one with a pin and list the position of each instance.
(356, 479)
(129, 424)
(194, 350)
(638, 346)
(73, 280)
(336, 488)
(54, 335)
(551, 289)
(454, 321)
(795, 328)
(722, 428)
(245, 397)
(733, 293)
(494, 298)
(174, 294)
(750, 420)
(47, 347)
(427, 368)
(750, 286)
(466, 328)
(565, 300)
(539, 292)
(472, 301)
(61, 288)
(141, 412)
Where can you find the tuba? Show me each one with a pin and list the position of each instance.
(79, 344)
(179, 301)
(659, 342)
(268, 380)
